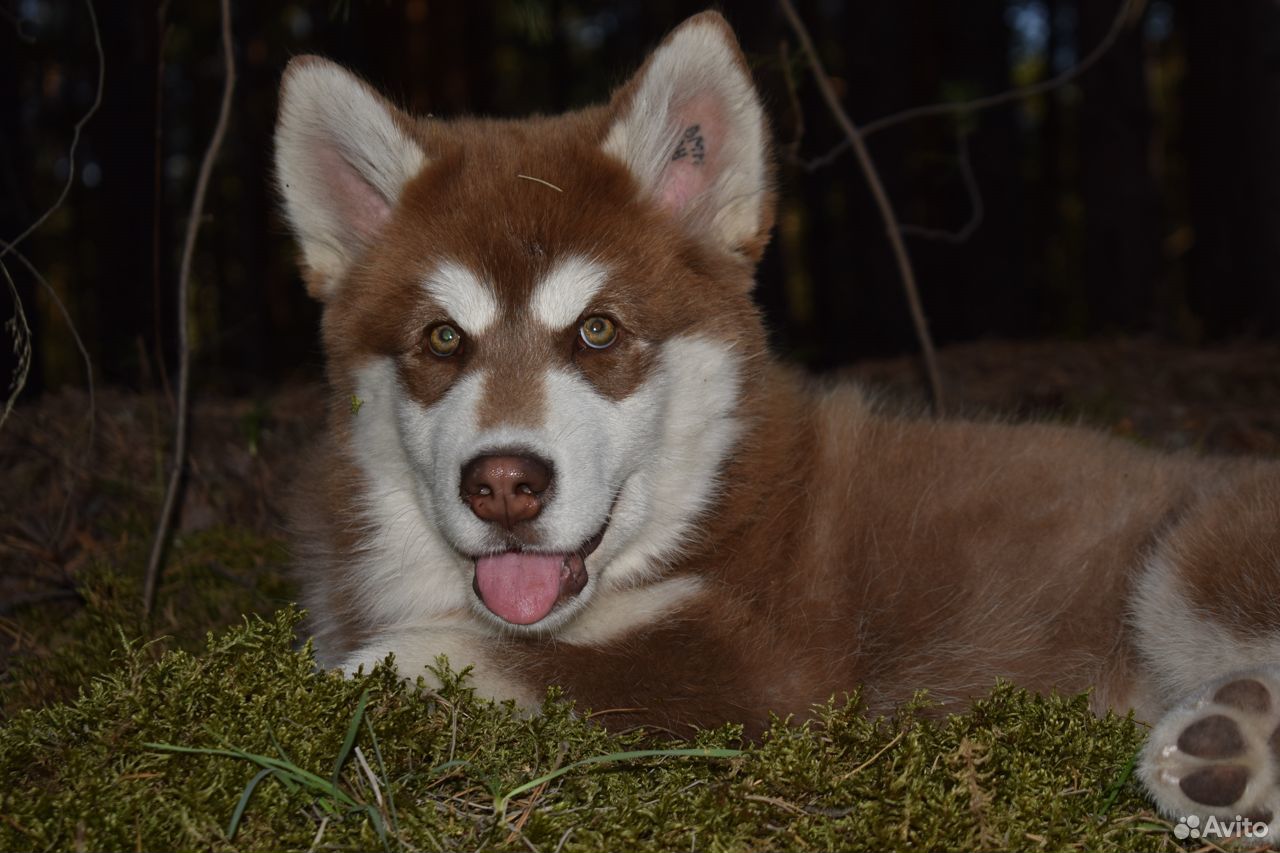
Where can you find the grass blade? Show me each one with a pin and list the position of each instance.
(448, 765)
(1114, 791)
(500, 805)
(352, 730)
(296, 773)
(386, 782)
(289, 784)
(271, 733)
(291, 775)
(244, 801)
(378, 824)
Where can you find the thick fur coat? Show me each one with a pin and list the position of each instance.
(560, 452)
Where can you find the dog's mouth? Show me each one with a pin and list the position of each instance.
(523, 587)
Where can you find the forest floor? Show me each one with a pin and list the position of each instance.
(75, 528)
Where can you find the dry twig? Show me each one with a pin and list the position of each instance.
(882, 202)
(1127, 15)
(8, 247)
(1130, 12)
(792, 148)
(157, 198)
(20, 331)
(75, 141)
(184, 345)
(975, 201)
(34, 272)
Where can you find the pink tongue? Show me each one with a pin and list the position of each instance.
(520, 587)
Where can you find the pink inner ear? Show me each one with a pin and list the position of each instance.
(694, 160)
(354, 200)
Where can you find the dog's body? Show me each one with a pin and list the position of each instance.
(560, 452)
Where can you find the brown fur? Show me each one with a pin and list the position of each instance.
(1229, 550)
(909, 554)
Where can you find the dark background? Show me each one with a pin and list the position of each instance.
(1144, 198)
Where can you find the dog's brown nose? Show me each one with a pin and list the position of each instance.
(505, 489)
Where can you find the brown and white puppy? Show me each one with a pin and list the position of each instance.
(559, 451)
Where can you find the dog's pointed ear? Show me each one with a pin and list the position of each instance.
(690, 128)
(343, 154)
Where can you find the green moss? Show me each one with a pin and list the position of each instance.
(1017, 772)
(212, 577)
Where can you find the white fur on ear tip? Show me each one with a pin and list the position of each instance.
(342, 159)
(693, 133)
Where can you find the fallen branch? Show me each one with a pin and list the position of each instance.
(882, 202)
(184, 345)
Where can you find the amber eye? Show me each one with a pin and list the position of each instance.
(444, 340)
(598, 332)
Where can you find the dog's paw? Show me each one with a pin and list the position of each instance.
(1213, 764)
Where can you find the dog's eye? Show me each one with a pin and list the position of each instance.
(598, 332)
(444, 340)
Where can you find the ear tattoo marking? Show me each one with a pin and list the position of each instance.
(691, 145)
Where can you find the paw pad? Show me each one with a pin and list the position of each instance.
(1215, 785)
(1215, 736)
(1217, 758)
(1244, 694)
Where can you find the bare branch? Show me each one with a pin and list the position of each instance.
(792, 148)
(8, 247)
(975, 202)
(882, 202)
(184, 345)
(19, 26)
(75, 139)
(75, 334)
(157, 199)
(1129, 13)
(20, 331)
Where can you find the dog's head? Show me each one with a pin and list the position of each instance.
(538, 330)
